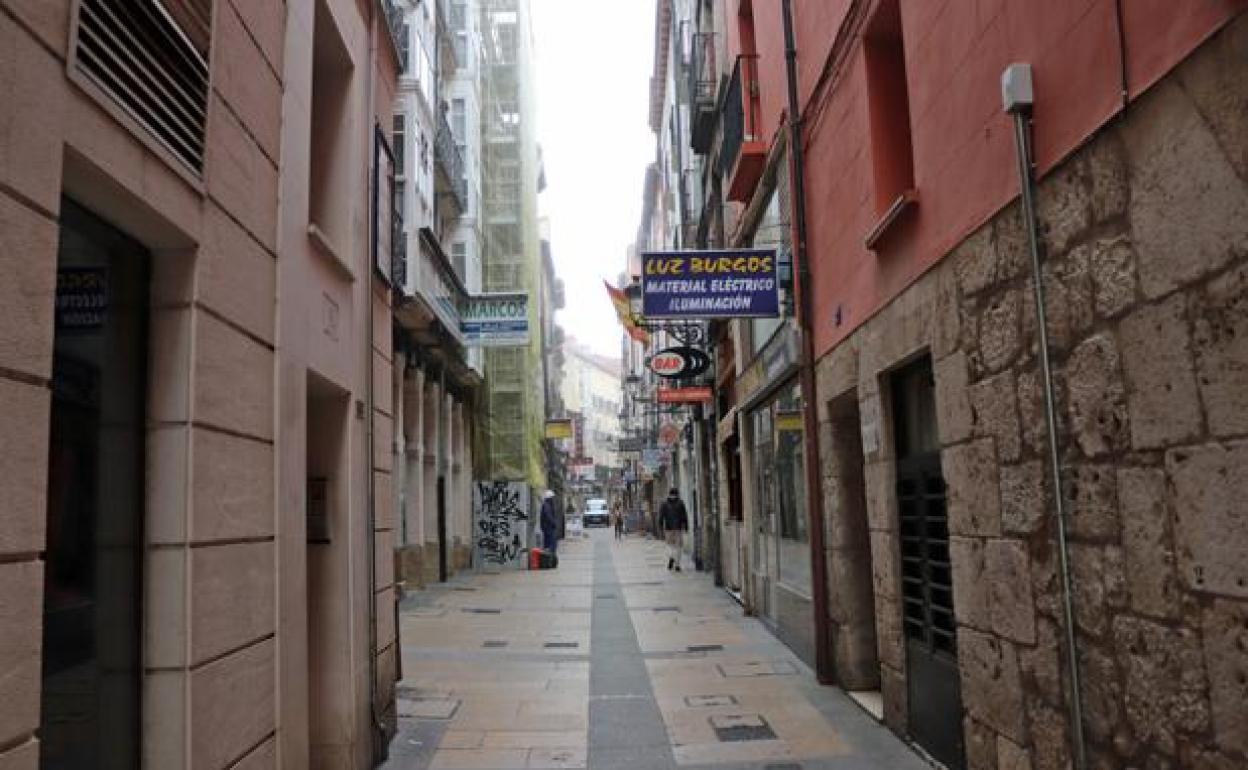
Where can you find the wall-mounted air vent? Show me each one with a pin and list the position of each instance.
(151, 56)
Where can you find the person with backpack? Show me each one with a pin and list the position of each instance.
(675, 521)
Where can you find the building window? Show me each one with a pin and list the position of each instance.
(892, 153)
(405, 46)
(779, 472)
(399, 140)
(330, 148)
(458, 118)
(772, 232)
(459, 257)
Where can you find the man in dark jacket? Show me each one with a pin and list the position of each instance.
(549, 521)
(675, 520)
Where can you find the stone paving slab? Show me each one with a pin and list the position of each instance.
(666, 673)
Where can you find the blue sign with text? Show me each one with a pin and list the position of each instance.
(737, 283)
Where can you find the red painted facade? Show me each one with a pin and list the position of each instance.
(963, 162)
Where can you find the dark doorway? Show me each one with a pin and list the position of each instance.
(328, 566)
(851, 590)
(934, 693)
(90, 713)
(443, 571)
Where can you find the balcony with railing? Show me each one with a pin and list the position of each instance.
(448, 55)
(703, 83)
(432, 291)
(450, 165)
(744, 151)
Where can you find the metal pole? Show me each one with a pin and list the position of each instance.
(810, 419)
(1022, 139)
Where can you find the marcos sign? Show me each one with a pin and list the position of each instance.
(679, 362)
(495, 320)
(737, 283)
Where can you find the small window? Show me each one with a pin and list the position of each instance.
(459, 257)
(458, 118)
(888, 97)
(399, 140)
(404, 40)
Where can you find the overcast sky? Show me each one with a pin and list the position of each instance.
(593, 72)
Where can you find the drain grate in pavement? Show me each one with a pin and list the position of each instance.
(756, 668)
(561, 645)
(730, 728)
(783, 766)
(483, 610)
(428, 708)
(494, 644)
(709, 701)
(463, 588)
(606, 596)
(666, 609)
(705, 648)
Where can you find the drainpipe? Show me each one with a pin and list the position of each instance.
(370, 512)
(1016, 87)
(810, 414)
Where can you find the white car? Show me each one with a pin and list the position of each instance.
(596, 513)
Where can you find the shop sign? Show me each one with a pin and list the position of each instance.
(679, 362)
(696, 395)
(629, 444)
(495, 320)
(559, 429)
(737, 283)
(771, 365)
(789, 422)
(81, 298)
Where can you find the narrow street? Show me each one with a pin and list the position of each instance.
(611, 661)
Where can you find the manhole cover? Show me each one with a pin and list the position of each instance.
(494, 644)
(709, 701)
(483, 610)
(705, 648)
(741, 727)
(561, 645)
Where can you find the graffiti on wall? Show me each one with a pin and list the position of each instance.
(501, 515)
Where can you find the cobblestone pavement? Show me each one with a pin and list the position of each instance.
(611, 661)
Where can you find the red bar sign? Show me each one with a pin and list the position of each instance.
(684, 395)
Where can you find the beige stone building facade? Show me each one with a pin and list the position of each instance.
(195, 411)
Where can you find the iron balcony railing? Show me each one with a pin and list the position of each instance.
(446, 39)
(427, 274)
(450, 163)
(398, 251)
(739, 113)
(394, 22)
(703, 79)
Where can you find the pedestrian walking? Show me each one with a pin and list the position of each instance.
(675, 521)
(549, 521)
(618, 516)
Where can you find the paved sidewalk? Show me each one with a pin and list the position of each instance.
(608, 662)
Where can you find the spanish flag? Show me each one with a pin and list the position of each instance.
(625, 313)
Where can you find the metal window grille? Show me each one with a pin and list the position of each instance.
(152, 59)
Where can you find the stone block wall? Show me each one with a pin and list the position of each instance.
(1145, 231)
